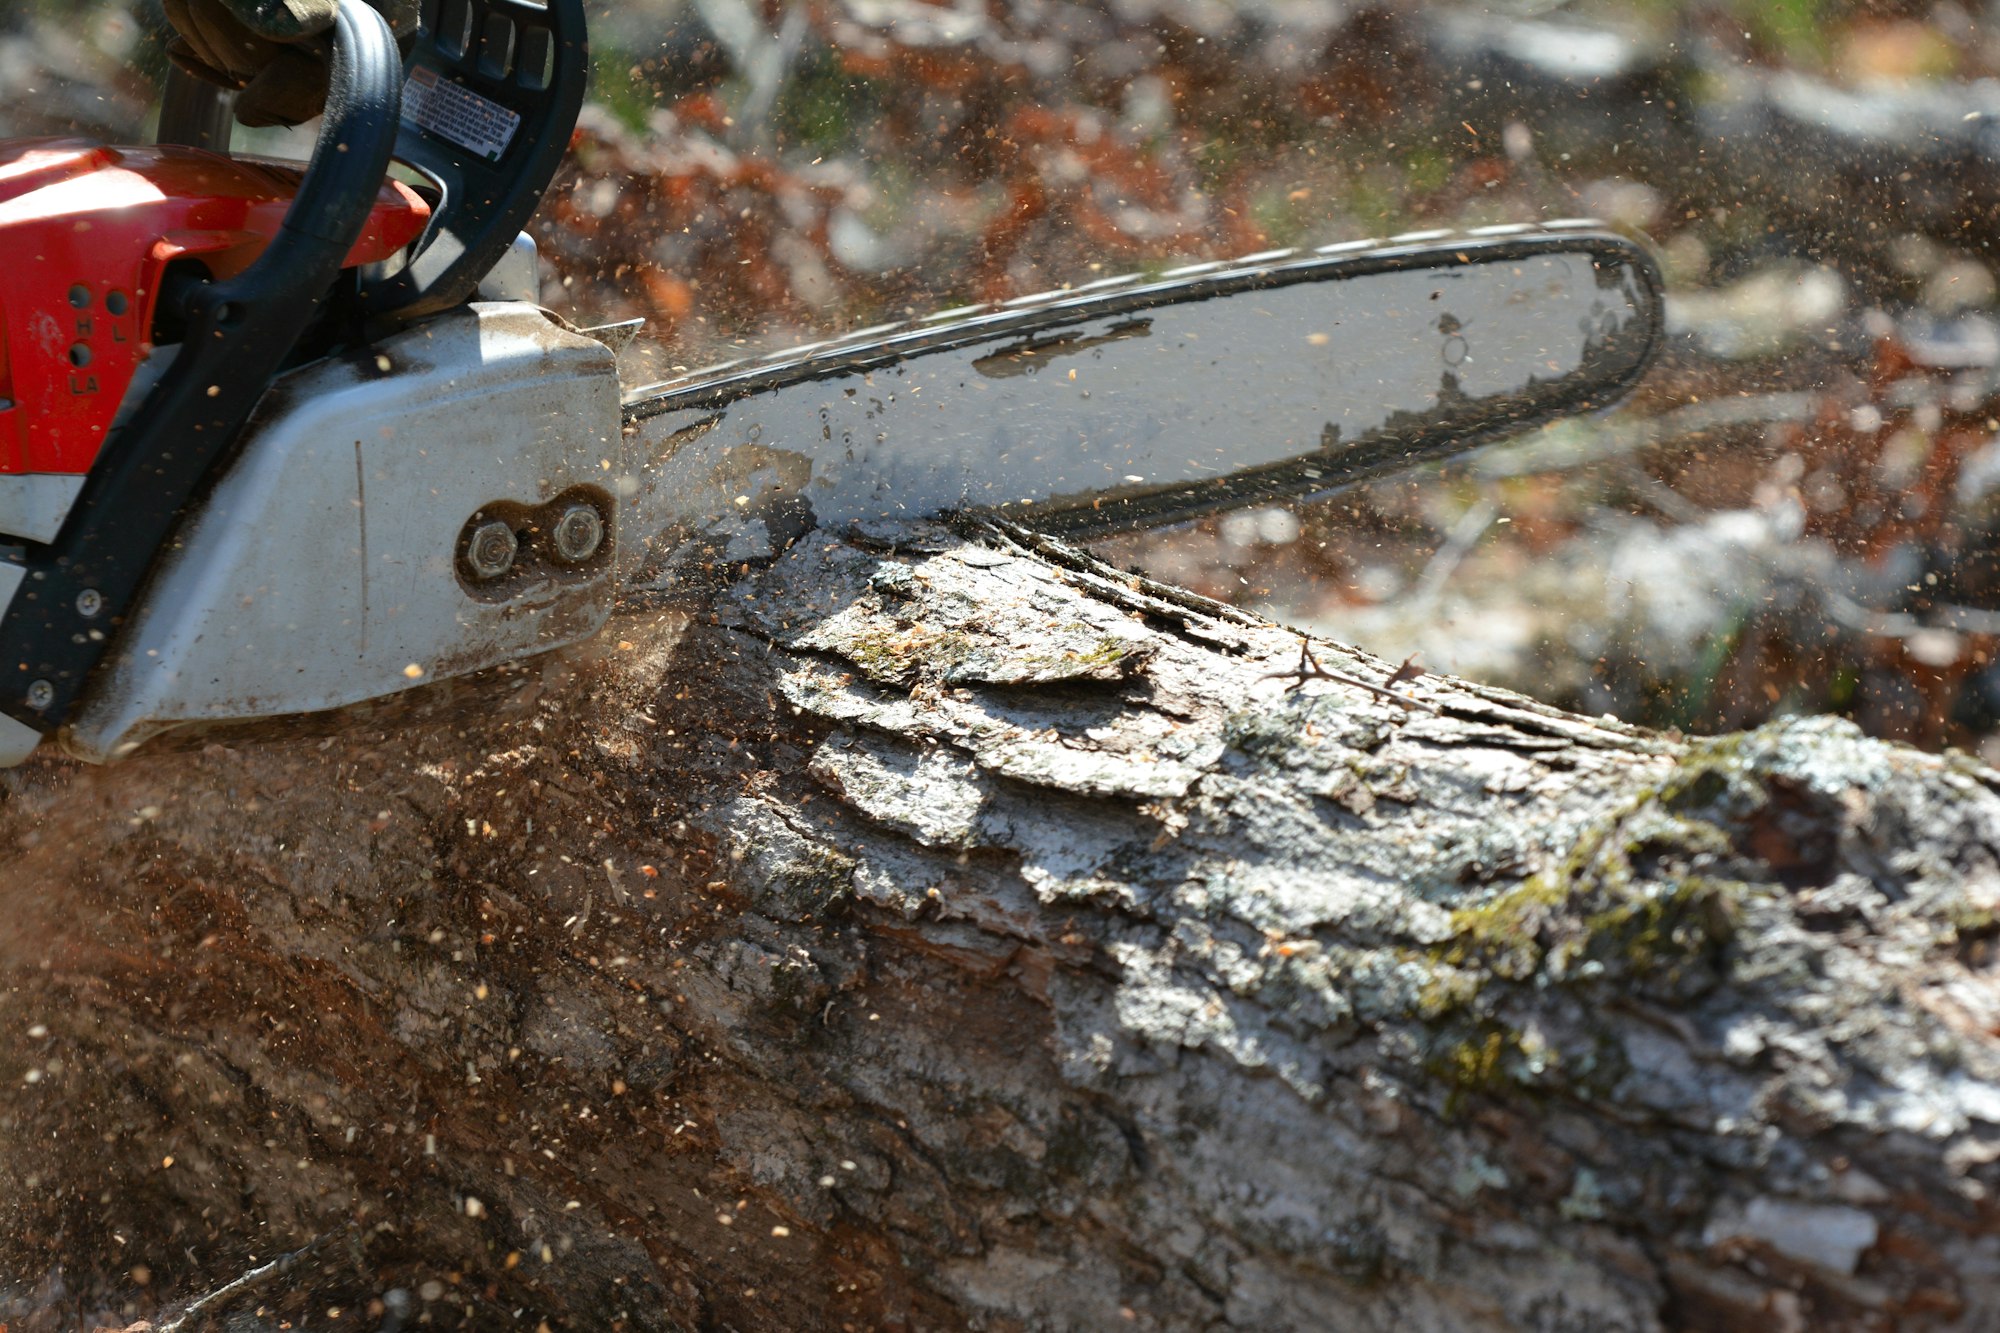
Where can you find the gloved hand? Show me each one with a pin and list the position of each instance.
(275, 52)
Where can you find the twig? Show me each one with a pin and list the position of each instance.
(251, 1280)
(1464, 535)
(1565, 449)
(1901, 624)
(1309, 668)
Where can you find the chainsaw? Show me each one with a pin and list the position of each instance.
(278, 439)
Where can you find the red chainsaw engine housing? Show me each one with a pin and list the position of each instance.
(86, 235)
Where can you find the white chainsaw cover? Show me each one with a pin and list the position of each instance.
(323, 569)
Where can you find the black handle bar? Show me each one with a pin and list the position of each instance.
(493, 92)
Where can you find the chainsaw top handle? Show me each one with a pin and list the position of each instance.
(239, 331)
(493, 92)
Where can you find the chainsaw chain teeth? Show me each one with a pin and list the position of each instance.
(885, 338)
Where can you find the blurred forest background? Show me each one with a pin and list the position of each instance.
(1798, 512)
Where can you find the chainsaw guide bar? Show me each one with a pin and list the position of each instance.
(1143, 400)
(353, 475)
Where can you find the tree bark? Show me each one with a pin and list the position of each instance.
(964, 934)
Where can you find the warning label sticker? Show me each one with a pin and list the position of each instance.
(452, 111)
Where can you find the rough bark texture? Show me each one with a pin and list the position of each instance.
(967, 936)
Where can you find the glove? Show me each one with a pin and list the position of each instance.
(276, 53)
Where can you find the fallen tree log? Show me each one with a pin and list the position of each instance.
(967, 934)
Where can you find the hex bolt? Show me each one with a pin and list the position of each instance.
(491, 551)
(40, 695)
(577, 534)
(89, 602)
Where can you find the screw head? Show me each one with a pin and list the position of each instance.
(40, 695)
(89, 602)
(577, 534)
(491, 550)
